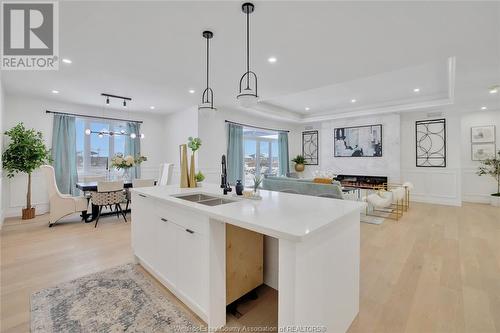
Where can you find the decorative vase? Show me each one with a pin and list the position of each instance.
(299, 167)
(126, 174)
(184, 166)
(192, 172)
(239, 187)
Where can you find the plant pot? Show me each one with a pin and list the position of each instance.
(299, 167)
(495, 200)
(199, 184)
(28, 213)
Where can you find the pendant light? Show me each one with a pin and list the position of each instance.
(207, 98)
(247, 93)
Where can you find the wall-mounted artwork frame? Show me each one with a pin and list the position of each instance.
(482, 134)
(430, 143)
(482, 151)
(310, 147)
(358, 141)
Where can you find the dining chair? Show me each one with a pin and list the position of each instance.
(165, 174)
(136, 183)
(61, 204)
(109, 193)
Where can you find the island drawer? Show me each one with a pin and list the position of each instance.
(183, 217)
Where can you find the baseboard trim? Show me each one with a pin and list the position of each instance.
(436, 200)
(16, 211)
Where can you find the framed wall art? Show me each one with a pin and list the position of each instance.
(430, 143)
(310, 147)
(482, 134)
(360, 141)
(482, 151)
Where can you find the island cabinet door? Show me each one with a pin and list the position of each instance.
(192, 265)
(167, 249)
(144, 229)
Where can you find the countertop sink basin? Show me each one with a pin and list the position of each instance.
(204, 199)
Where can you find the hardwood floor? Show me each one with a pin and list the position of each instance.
(436, 270)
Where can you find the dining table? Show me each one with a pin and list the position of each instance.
(87, 187)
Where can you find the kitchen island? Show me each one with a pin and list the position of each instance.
(178, 235)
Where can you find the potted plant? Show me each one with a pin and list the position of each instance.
(194, 144)
(25, 153)
(120, 162)
(299, 163)
(199, 177)
(491, 166)
(257, 180)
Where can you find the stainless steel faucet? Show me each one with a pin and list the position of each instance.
(224, 183)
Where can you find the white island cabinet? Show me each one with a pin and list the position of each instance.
(182, 243)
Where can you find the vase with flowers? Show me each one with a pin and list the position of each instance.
(125, 163)
(194, 144)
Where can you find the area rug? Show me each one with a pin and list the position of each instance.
(120, 299)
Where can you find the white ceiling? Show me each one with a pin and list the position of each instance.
(328, 53)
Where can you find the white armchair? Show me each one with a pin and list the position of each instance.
(61, 205)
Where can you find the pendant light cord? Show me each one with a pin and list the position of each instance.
(248, 50)
(207, 63)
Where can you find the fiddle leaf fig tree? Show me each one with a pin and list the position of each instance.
(491, 167)
(25, 153)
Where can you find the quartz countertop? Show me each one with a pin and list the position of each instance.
(279, 215)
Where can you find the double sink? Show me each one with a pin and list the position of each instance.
(205, 199)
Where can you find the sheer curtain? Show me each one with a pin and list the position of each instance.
(64, 153)
(234, 153)
(133, 147)
(284, 166)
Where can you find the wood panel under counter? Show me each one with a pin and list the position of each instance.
(244, 261)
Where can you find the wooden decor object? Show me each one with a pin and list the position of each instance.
(244, 261)
(192, 172)
(184, 166)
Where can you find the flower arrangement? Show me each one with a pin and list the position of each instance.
(125, 162)
(257, 180)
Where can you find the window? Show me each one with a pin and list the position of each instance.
(92, 152)
(260, 153)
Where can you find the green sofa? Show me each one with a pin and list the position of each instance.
(302, 186)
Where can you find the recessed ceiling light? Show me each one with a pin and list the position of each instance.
(353, 100)
(152, 107)
(55, 91)
(484, 108)
(272, 59)
(493, 90)
(191, 91)
(416, 90)
(308, 108)
(67, 61)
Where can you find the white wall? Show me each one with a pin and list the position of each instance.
(387, 165)
(212, 131)
(474, 187)
(2, 110)
(433, 185)
(31, 111)
(178, 127)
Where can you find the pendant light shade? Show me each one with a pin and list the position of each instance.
(248, 96)
(207, 98)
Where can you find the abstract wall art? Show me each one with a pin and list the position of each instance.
(310, 147)
(360, 141)
(430, 143)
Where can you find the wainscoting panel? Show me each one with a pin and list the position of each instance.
(435, 186)
(476, 188)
